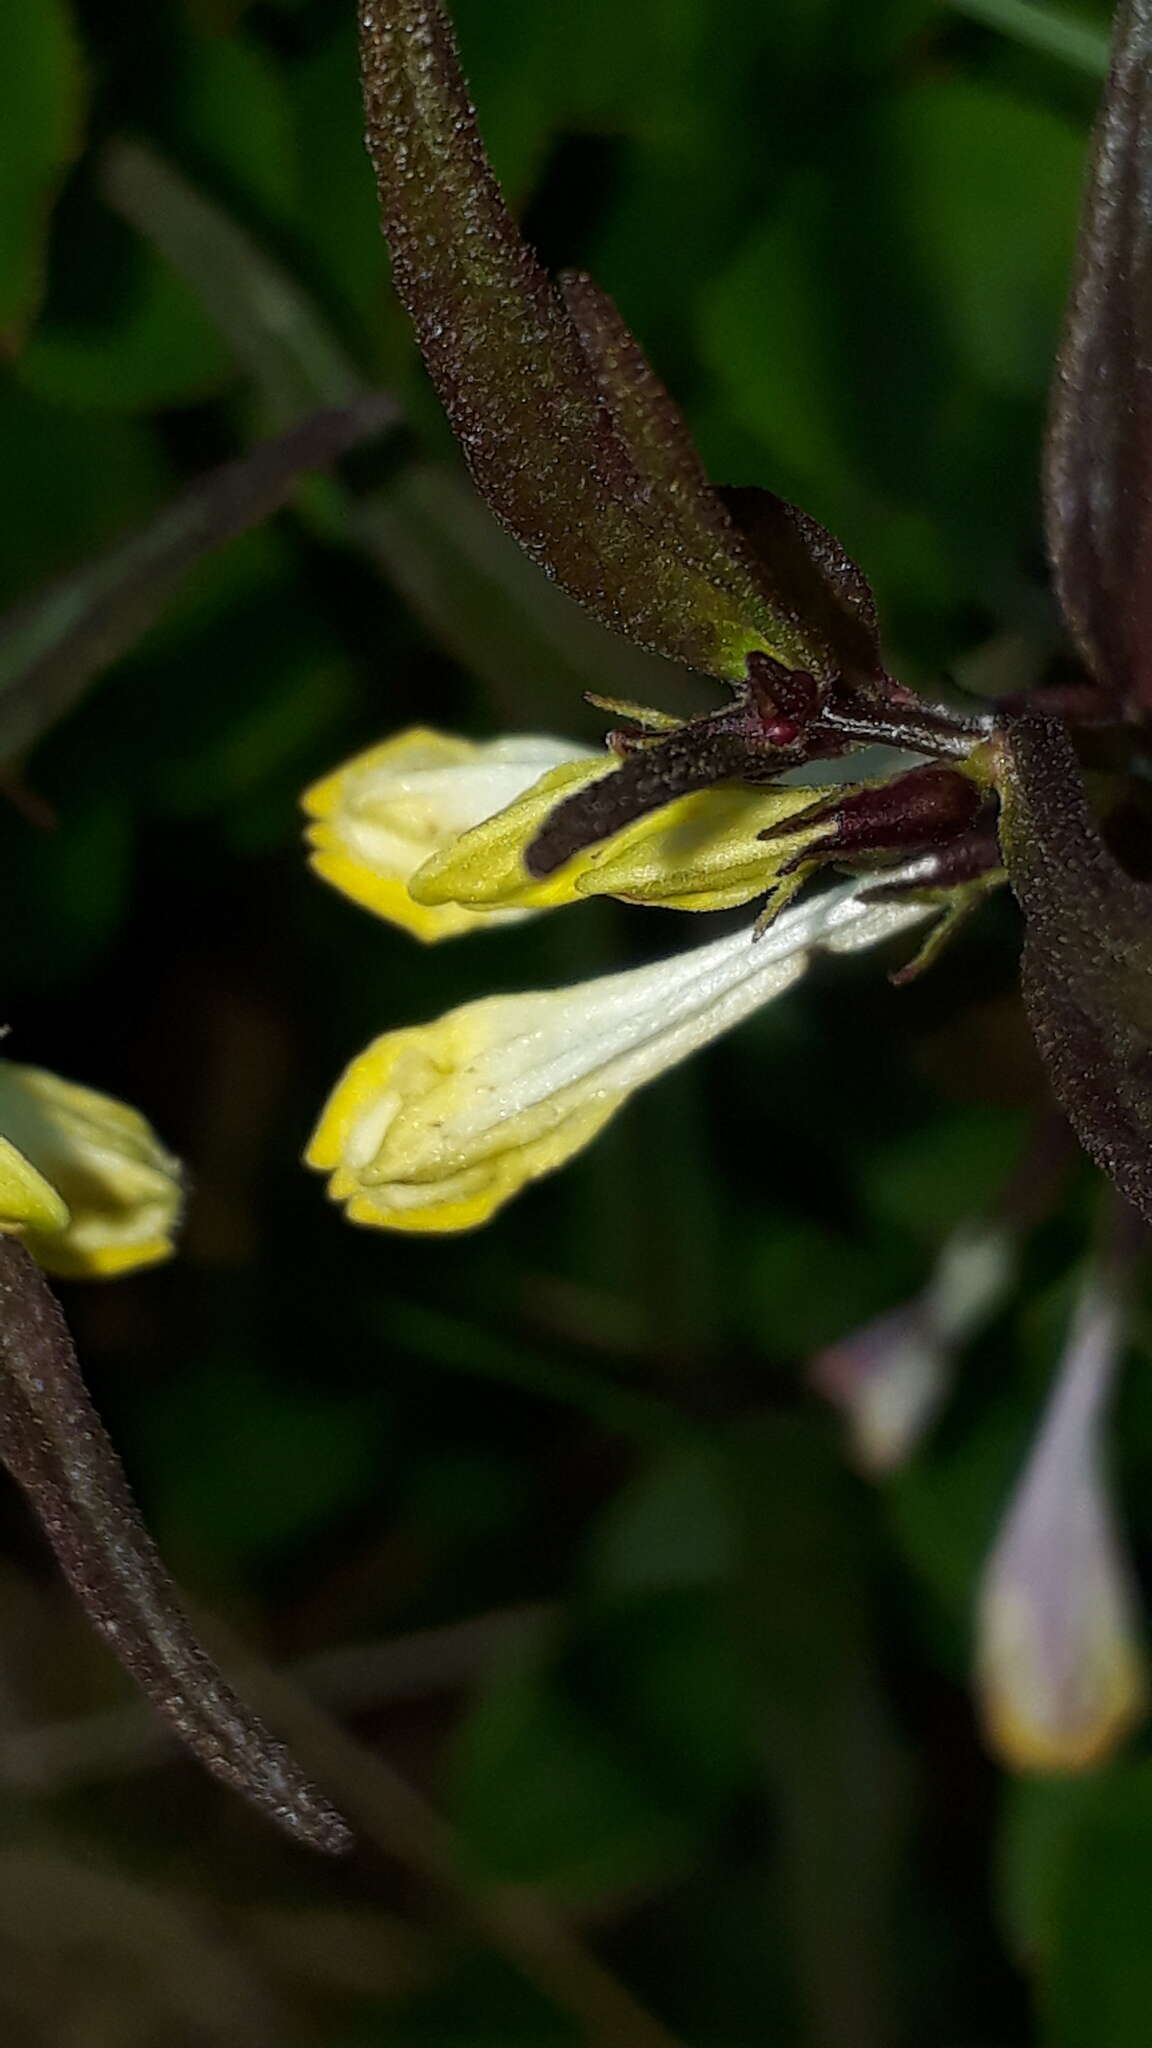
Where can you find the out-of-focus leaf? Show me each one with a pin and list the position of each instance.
(335, 204)
(1079, 1867)
(42, 105)
(672, 1527)
(507, 360)
(73, 886)
(69, 484)
(931, 1180)
(884, 333)
(995, 182)
(140, 343)
(544, 1794)
(294, 361)
(668, 1673)
(231, 111)
(1087, 954)
(1099, 470)
(1041, 1817)
(52, 649)
(465, 578)
(945, 1504)
(801, 1283)
(478, 2000)
(277, 1462)
(1042, 27)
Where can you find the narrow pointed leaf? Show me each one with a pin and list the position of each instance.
(507, 361)
(294, 360)
(1087, 954)
(1099, 471)
(54, 1446)
(53, 647)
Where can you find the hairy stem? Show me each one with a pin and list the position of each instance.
(55, 1447)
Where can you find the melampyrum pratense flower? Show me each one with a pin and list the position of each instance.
(579, 450)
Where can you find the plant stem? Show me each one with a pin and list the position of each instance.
(53, 1444)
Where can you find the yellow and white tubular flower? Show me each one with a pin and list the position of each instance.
(380, 817)
(84, 1181)
(429, 830)
(433, 1128)
(1060, 1672)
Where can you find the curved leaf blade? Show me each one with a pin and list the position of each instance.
(508, 363)
(54, 1446)
(1087, 954)
(1099, 468)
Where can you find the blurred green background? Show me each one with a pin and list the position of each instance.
(549, 1516)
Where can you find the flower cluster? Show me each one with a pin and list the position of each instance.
(579, 451)
(435, 1127)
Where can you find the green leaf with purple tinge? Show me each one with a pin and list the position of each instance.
(1087, 953)
(1099, 472)
(565, 430)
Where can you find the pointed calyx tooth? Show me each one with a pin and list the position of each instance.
(751, 740)
(647, 779)
(921, 809)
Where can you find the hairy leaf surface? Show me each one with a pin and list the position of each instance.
(1099, 472)
(564, 428)
(1087, 954)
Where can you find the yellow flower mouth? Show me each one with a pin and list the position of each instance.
(434, 1128)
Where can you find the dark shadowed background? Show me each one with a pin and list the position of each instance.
(549, 1516)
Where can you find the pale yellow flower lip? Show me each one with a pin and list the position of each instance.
(377, 819)
(434, 1128)
(83, 1178)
